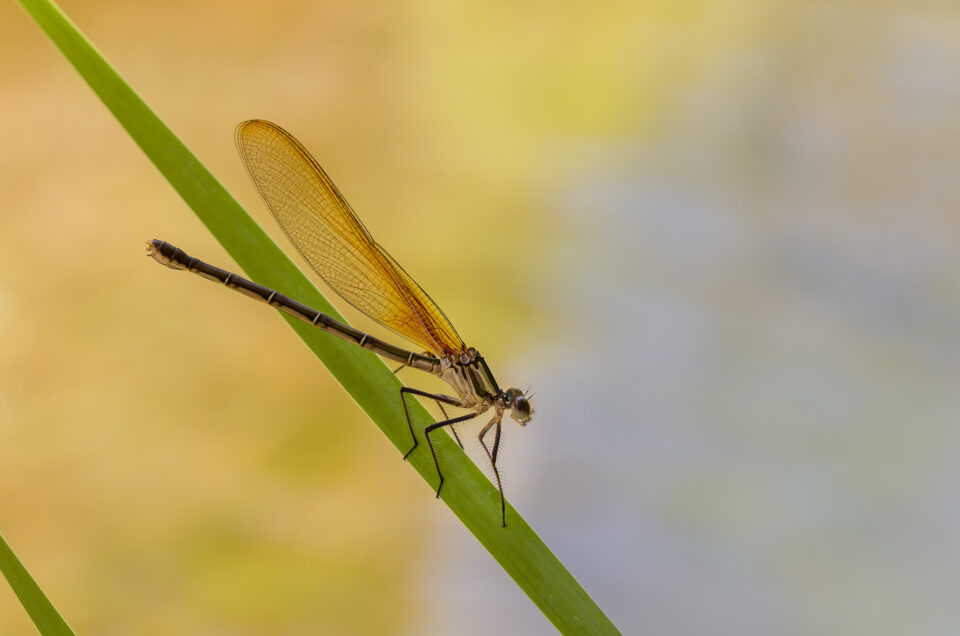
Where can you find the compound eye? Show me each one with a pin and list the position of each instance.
(521, 408)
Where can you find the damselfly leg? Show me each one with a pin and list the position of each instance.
(445, 399)
(433, 427)
(493, 462)
(453, 429)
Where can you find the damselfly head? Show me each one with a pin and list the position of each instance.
(520, 409)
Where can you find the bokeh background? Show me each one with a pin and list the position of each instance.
(719, 239)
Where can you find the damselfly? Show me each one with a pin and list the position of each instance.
(327, 232)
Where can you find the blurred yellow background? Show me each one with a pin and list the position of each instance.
(718, 238)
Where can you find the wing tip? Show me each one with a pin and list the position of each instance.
(245, 128)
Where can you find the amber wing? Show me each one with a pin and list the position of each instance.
(328, 234)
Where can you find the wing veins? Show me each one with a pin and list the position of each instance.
(332, 239)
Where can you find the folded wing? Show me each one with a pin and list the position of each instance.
(328, 234)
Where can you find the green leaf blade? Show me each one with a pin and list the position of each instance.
(41, 611)
(467, 491)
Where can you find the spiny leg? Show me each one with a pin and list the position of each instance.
(493, 463)
(453, 429)
(404, 390)
(433, 427)
(496, 443)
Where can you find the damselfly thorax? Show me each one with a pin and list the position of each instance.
(469, 376)
(329, 235)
